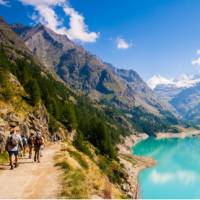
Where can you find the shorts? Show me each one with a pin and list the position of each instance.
(11, 153)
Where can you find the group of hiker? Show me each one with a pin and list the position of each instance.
(17, 145)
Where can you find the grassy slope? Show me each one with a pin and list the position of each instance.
(82, 178)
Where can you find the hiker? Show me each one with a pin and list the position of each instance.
(13, 144)
(54, 138)
(30, 144)
(38, 142)
(2, 139)
(25, 143)
(42, 147)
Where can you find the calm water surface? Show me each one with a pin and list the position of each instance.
(177, 173)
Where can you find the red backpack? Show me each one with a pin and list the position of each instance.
(38, 140)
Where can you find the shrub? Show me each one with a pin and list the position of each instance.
(82, 145)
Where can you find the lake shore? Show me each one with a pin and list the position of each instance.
(184, 134)
(133, 164)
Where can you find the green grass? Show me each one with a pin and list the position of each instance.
(74, 186)
(4, 157)
(78, 158)
(63, 165)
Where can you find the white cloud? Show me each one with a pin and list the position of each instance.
(160, 178)
(197, 60)
(46, 15)
(185, 177)
(78, 29)
(4, 2)
(122, 43)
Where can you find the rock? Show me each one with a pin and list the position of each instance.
(2, 122)
(12, 119)
(24, 129)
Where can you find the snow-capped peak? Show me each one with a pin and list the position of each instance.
(183, 81)
(158, 80)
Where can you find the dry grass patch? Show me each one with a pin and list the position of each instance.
(82, 178)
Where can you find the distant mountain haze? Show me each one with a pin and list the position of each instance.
(183, 93)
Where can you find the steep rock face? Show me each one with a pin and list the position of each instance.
(88, 74)
(33, 122)
(44, 43)
(11, 41)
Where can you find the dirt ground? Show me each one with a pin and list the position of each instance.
(31, 180)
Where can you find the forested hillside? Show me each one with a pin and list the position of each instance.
(99, 125)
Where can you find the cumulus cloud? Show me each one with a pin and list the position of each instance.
(197, 60)
(185, 177)
(78, 29)
(45, 14)
(122, 43)
(4, 2)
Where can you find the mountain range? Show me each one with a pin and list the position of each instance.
(86, 73)
(182, 93)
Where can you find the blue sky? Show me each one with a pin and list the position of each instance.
(149, 36)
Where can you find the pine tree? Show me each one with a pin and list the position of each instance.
(33, 89)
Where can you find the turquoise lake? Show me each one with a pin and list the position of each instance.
(177, 173)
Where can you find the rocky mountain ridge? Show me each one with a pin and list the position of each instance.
(86, 73)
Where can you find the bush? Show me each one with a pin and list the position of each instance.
(53, 124)
(33, 90)
(7, 94)
(82, 145)
(112, 168)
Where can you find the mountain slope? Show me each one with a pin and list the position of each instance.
(87, 74)
(187, 103)
(42, 103)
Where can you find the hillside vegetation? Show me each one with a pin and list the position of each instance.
(27, 86)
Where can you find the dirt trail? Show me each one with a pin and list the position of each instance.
(31, 180)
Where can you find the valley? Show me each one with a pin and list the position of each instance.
(42, 99)
(118, 136)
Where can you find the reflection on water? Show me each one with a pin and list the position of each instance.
(177, 173)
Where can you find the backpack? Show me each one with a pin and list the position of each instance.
(31, 140)
(38, 140)
(13, 141)
(24, 141)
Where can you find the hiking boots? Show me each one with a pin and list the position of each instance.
(16, 165)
